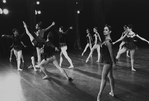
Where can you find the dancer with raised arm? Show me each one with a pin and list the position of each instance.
(49, 56)
(89, 42)
(96, 46)
(17, 46)
(130, 45)
(63, 46)
(108, 63)
(123, 41)
(37, 43)
(39, 36)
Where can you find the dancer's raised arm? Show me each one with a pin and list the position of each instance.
(53, 23)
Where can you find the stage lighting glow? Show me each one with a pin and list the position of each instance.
(5, 11)
(78, 12)
(1, 11)
(39, 12)
(37, 2)
(4, 1)
(35, 12)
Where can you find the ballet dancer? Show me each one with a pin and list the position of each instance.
(17, 46)
(63, 46)
(123, 41)
(130, 45)
(89, 42)
(96, 46)
(39, 36)
(13, 52)
(108, 63)
(49, 56)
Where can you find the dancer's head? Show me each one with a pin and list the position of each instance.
(15, 32)
(95, 29)
(107, 30)
(38, 25)
(61, 29)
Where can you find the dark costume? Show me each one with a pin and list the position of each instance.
(130, 43)
(105, 54)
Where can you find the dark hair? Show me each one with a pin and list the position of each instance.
(62, 27)
(130, 26)
(39, 24)
(15, 29)
(108, 26)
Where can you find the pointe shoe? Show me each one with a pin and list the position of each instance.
(30, 66)
(133, 69)
(111, 94)
(82, 54)
(10, 59)
(35, 69)
(19, 69)
(86, 60)
(71, 67)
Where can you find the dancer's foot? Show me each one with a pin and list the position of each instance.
(133, 69)
(86, 60)
(35, 69)
(10, 59)
(99, 97)
(19, 69)
(111, 94)
(71, 67)
(45, 77)
(30, 66)
(82, 54)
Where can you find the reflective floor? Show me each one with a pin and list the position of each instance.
(29, 86)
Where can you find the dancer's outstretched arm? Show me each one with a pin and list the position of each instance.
(121, 38)
(143, 39)
(68, 29)
(53, 23)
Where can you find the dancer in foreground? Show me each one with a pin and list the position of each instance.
(63, 46)
(108, 63)
(89, 42)
(130, 45)
(17, 46)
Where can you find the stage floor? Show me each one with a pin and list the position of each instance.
(29, 86)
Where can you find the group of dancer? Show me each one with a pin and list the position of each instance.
(40, 46)
(105, 52)
(48, 49)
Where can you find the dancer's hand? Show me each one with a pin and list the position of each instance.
(113, 43)
(71, 27)
(24, 24)
(56, 49)
(53, 23)
(3, 35)
(148, 42)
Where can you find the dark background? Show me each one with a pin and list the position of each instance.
(115, 13)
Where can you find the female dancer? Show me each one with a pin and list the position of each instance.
(63, 46)
(40, 34)
(89, 42)
(17, 46)
(49, 50)
(37, 43)
(130, 45)
(97, 44)
(13, 52)
(108, 61)
(123, 41)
